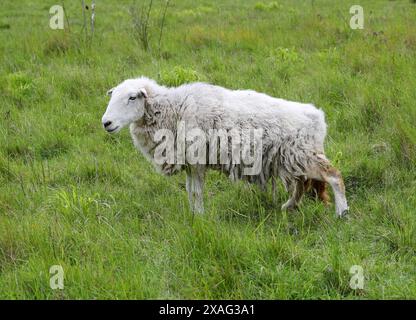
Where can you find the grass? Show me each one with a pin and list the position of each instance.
(71, 195)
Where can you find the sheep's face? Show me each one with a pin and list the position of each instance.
(126, 106)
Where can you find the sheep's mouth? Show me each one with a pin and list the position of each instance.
(112, 130)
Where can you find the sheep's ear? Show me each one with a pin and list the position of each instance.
(109, 92)
(142, 93)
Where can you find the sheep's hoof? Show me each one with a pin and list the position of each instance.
(288, 206)
(293, 231)
(343, 213)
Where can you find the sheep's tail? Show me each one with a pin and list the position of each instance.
(317, 189)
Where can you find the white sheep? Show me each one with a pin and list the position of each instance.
(292, 136)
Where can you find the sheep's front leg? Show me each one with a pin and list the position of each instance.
(195, 177)
(189, 190)
(198, 188)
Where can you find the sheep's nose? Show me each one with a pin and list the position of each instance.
(107, 124)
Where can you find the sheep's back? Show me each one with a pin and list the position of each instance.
(214, 107)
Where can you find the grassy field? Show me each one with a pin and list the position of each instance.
(74, 196)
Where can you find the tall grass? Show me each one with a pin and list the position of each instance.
(74, 196)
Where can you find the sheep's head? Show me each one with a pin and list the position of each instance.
(126, 105)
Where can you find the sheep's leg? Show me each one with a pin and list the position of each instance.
(274, 189)
(189, 181)
(195, 186)
(319, 188)
(198, 188)
(296, 196)
(333, 177)
(199, 195)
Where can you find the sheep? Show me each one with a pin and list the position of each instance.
(291, 137)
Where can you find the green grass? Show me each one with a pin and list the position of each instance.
(74, 196)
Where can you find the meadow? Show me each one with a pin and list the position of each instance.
(73, 195)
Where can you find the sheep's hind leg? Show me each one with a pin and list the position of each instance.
(320, 189)
(274, 189)
(317, 189)
(296, 196)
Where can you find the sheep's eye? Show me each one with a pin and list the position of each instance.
(132, 98)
